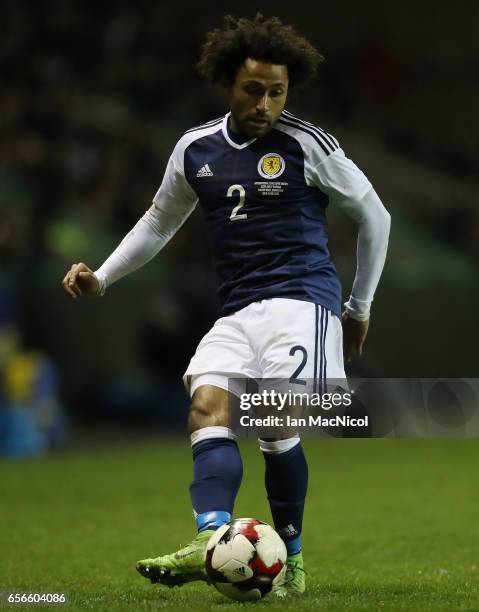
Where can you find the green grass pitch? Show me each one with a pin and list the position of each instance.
(389, 525)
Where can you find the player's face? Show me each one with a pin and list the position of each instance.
(257, 97)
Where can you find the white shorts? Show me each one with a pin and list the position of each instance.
(278, 338)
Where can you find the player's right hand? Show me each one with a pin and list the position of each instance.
(80, 280)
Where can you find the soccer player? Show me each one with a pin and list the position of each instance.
(264, 179)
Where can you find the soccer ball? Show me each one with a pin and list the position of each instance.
(245, 558)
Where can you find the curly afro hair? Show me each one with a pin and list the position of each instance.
(266, 39)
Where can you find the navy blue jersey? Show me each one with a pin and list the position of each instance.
(264, 202)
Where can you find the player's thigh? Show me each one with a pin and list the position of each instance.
(224, 350)
(223, 360)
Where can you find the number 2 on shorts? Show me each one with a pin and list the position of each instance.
(294, 380)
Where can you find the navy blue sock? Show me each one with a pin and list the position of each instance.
(286, 480)
(217, 475)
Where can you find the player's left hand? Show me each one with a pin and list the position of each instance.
(354, 335)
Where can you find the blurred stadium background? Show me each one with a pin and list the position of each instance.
(93, 98)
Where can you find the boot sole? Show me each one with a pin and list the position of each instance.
(168, 579)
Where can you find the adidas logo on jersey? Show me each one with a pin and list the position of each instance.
(204, 171)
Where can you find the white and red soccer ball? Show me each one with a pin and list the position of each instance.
(245, 559)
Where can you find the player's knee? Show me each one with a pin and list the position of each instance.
(209, 408)
(200, 409)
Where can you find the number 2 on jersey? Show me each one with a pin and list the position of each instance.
(242, 195)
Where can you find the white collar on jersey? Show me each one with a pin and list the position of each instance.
(234, 144)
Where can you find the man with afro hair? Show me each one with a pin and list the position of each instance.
(264, 178)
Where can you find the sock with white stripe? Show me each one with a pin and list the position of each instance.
(218, 471)
(286, 480)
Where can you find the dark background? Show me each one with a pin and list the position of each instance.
(93, 97)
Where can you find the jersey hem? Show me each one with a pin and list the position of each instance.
(333, 308)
